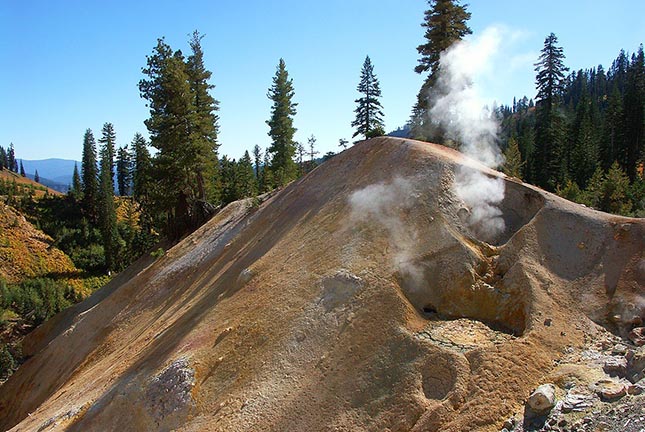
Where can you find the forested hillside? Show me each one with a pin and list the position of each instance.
(596, 127)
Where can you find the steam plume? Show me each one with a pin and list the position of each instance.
(382, 203)
(457, 106)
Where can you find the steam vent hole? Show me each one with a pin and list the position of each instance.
(463, 297)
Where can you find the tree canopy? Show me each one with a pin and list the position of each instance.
(369, 111)
(446, 23)
(281, 129)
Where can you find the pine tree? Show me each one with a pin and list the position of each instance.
(108, 141)
(281, 127)
(142, 185)
(369, 114)
(228, 168)
(445, 24)
(204, 123)
(312, 150)
(141, 167)
(634, 114)
(11, 159)
(246, 186)
(4, 163)
(167, 90)
(22, 169)
(613, 139)
(618, 71)
(267, 175)
(77, 187)
(549, 133)
(300, 157)
(183, 129)
(36, 177)
(107, 210)
(257, 158)
(89, 177)
(513, 160)
(608, 192)
(584, 148)
(124, 171)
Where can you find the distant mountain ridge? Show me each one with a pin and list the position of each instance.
(54, 173)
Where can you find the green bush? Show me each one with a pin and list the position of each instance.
(36, 299)
(157, 253)
(7, 362)
(90, 258)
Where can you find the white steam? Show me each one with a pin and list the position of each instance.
(459, 109)
(383, 204)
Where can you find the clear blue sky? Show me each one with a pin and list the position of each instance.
(69, 65)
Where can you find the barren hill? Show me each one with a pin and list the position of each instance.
(360, 297)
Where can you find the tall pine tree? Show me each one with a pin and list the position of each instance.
(170, 100)
(124, 171)
(257, 158)
(11, 159)
(4, 163)
(246, 184)
(369, 114)
(549, 130)
(204, 123)
(183, 128)
(89, 177)
(141, 169)
(613, 138)
(107, 209)
(584, 149)
(281, 128)
(77, 187)
(108, 142)
(228, 168)
(445, 23)
(634, 114)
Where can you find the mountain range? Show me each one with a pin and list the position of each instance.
(54, 173)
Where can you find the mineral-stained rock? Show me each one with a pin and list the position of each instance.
(635, 389)
(609, 389)
(637, 336)
(619, 349)
(542, 399)
(577, 399)
(616, 365)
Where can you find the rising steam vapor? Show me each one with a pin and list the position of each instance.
(382, 203)
(458, 108)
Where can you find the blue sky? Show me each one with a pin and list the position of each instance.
(69, 65)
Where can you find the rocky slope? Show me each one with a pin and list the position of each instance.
(358, 298)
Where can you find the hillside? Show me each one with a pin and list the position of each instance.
(8, 177)
(357, 298)
(26, 252)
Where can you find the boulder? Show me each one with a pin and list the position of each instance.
(542, 399)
